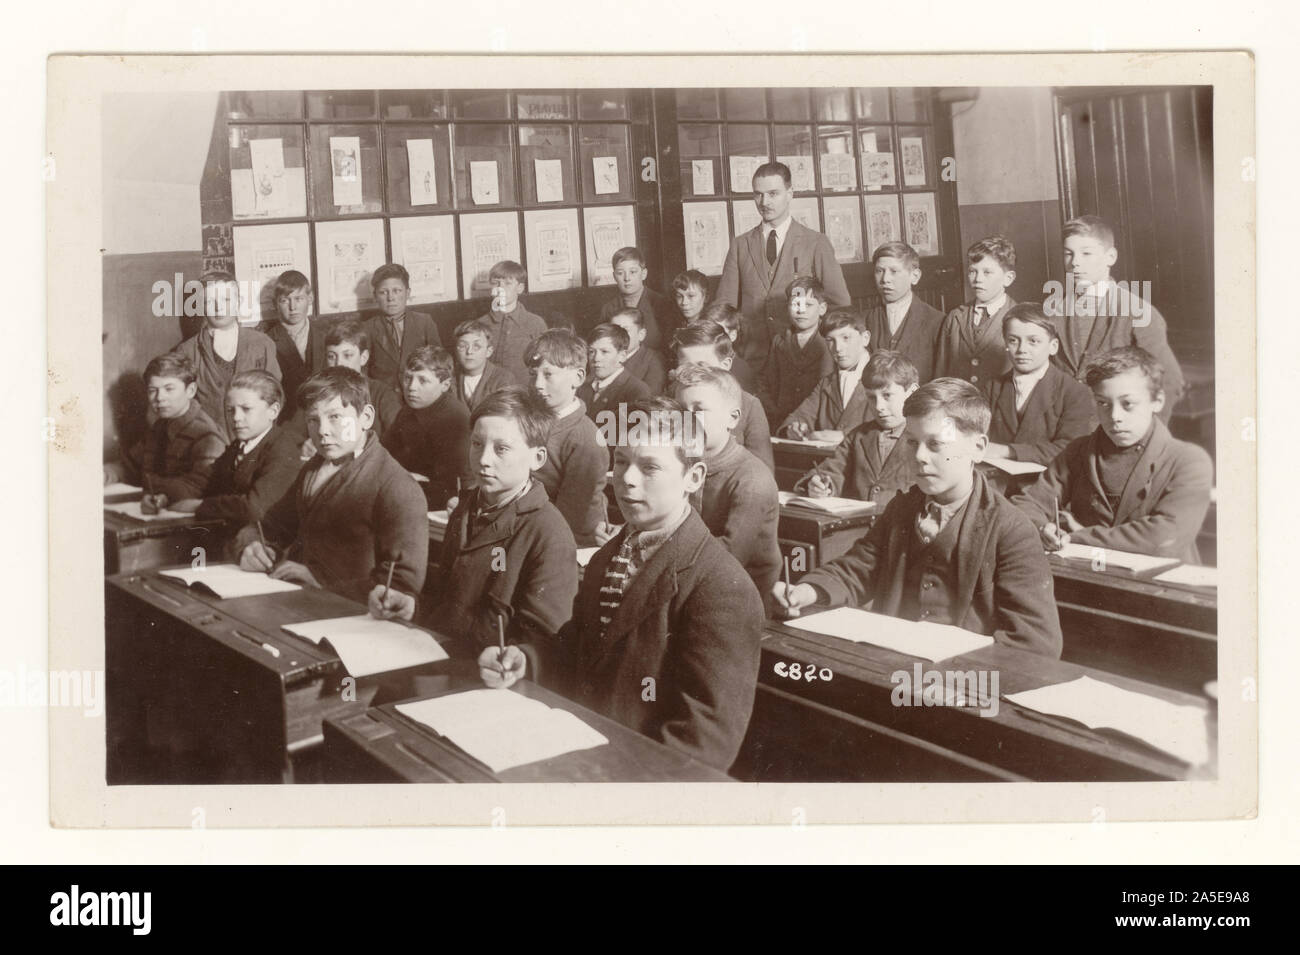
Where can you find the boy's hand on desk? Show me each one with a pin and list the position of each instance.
(188, 506)
(797, 430)
(502, 670)
(452, 504)
(1053, 537)
(819, 486)
(606, 532)
(257, 558)
(153, 503)
(295, 573)
(388, 604)
(790, 599)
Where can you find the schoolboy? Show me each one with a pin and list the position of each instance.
(630, 274)
(223, 348)
(512, 327)
(351, 511)
(798, 359)
(664, 601)
(952, 550)
(576, 457)
(430, 436)
(477, 376)
(641, 361)
(739, 502)
(347, 345)
(608, 385)
(902, 322)
(175, 457)
(1037, 408)
(1129, 485)
(396, 332)
(729, 317)
(1101, 315)
(838, 402)
(299, 339)
(970, 345)
(691, 296)
(873, 462)
(707, 342)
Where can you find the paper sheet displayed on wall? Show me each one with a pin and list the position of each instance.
(347, 252)
(844, 227)
(744, 216)
(554, 258)
(550, 180)
(486, 238)
(292, 191)
(702, 177)
(801, 172)
(608, 229)
(605, 169)
(921, 227)
(742, 171)
(882, 222)
(426, 247)
(345, 167)
(268, 175)
(707, 240)
(877, 170)
(262, 254)
(422, 173)
(913, 152)
(484, 188)
(804, 211)
(837, 172)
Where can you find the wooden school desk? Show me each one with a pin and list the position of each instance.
(819, 536)
(846, 728)
(132, 546)
(381, 745)
(204, 690)
(793, 461)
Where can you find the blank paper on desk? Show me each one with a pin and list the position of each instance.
(929, 641)
(227, 580)
(1012, 466)
(1116, 559)
(1178, 730)
(367, 645)
(132, 509)
(503, 729)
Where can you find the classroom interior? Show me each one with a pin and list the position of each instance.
(576, 174)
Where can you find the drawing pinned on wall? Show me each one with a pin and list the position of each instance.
(426, 247)
(262, 253)
(837, 172)
(345, 165)
(742, 171)
(702, 177)
(554, 258)
(882, 222)
(705, 226)
(269, 186)
(550, 180)
(605, 169)
(844, 227)
(922, 228)
(877, 170)
(422, 172)
(484, 187)
(486, 238)
(608, 229)
(292, 192)
(347, 252)
(744, 216)
(803, 210)
(801, 172)
(913, 151)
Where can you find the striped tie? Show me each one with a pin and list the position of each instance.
(614, 583)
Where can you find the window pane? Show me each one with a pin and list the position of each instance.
(879, 167)
(412, 104)
(832, 105)
(794, 147)
(602, 104)
(341, 104)
(700, 148)
(790, 104)
(432, 185)
(485, 175)
(543, 106)
(697, 104)
(747, 149)
(551, 147)
(247, 104)
(345, 170)
(872, 103)
(746, 103)
(480, 104)
(838, 165)
(605, 156)
(912, 104)
(278, 188)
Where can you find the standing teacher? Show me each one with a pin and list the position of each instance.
(763, 261)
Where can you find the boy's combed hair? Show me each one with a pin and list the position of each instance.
(897, 250)
(347, 385)
(473, 327)
(1119, 360)
(261, 383)
(691, 278)
(1031, 314)
(628, 253)
(703, 332)
(1094, 227)
(508, 269)
(171, 365)
(890, 367)
(618, 337)
(843, 318)
(960, 402)
(390, 271)
(559, 346)
(696, 373)
(288, 283)
(808, 285)
(629, 313)
(349, 331)
(996, 247)
(522, 407)
(663, 420)
(725, 314)
(773, 169)
(431, 358)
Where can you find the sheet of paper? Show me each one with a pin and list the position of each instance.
(803, 210)
(913, 150)
(585, 554)
(227, 580)
(489, 247)
(269, 186)
(346, 262)
(1192, 575)
(702, 177)
(877, 170)
(483, 184)
(608, 229)
(550, 180)
(806, 442)
(921, 230)
(706, 236)
(929, 641)
(1011, 466)
(554, 251)
(422, 172)
(367, 645)
(882, 221)
(1115, 559)
(503, 729)
(424, 258)
(801, 172)
(345, 163)
(440, 518)
(844, 227)
(840, 506)
(606, 174)
(742, 171)
(486, 238)
(1178, 730)
(265, 252)
(837, 172)
(743, 216)
(118, 489)
(132, 509)
(243, 195)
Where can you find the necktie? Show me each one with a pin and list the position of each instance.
(615, 582)
(927, 523)
(397, 333)
(771, 247)
(978, 316)
(239, 455)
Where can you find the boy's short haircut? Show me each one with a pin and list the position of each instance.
(665, 421)
(508, 269)
(217, 275)
(390, 271)
(262, 383)
(431, 358)
(347, 385)
(725, 314)
(958, 400)
(1031, 314)
(773, 169)
(691, 278)
(704, 333)
(1119, 360)
(809, 285)
(885, 368)
(171, 365)
(897, 250)
(1094, 227)
(996, 247)
(348, 331)
(629, 253)
(473, 327)
(288, 283)
(843, 318)
(523, 408)
(696, 373)
(618, 337)
(559, 346)
(632, 313)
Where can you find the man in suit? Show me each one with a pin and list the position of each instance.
(761, 264)
(395, 333)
